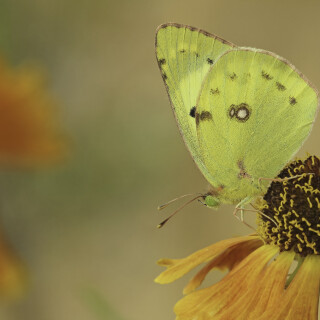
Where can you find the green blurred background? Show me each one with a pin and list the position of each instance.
(86, 229)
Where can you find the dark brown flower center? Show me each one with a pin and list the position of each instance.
(295, 207)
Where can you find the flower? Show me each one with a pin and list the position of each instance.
(29, 132)
(273, 274)
(13, 275)
(29, 136)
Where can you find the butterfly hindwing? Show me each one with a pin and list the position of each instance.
(262, 114)
(185, 56)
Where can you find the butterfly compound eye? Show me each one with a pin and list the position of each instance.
(211, 201)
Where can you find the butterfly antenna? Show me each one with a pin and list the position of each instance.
(173, 200)
(160, 225)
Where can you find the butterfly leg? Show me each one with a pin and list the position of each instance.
(262, 214)
(240, 207)
(241, 218)
(281, 179)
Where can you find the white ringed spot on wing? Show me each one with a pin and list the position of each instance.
(240, 112)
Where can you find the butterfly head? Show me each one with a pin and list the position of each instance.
(211, 201)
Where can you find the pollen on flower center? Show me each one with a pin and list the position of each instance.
(294, 205)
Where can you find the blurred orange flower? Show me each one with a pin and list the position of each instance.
(13, 275)
(29, 131)
(274, 274)
(29, 136)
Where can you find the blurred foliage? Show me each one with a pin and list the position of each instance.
(99, 306)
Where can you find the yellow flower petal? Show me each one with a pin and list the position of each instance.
(208, 302)
(166, 262)
(262, 294)
(268, 291)
(300, 299)
(179, 267)
(226, 260)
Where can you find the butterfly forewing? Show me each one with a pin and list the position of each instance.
(262, 113)
(185, 56)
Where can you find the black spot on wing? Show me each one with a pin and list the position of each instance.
(292, 101)
(197, 54)
(193, 112)
(215, 91)
(243, 173)
(210, 61)
(266, 75)
(182, 51)
(164, 76)
(280, 86)
(233, 76)
(162, 61)
(205, 115)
